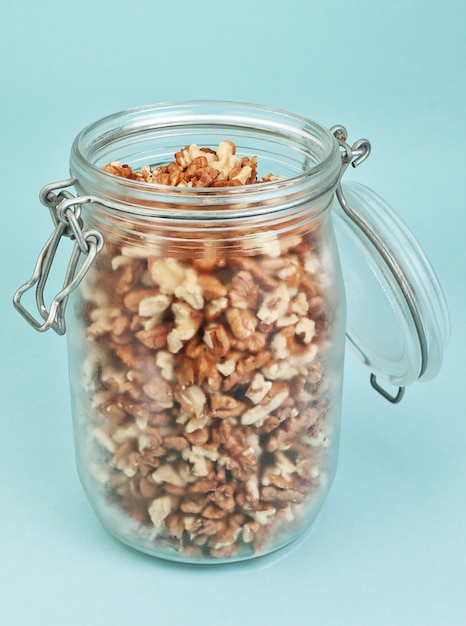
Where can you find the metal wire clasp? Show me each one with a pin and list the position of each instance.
(65, 210)
(357, 154)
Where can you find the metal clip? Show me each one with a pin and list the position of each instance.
(356, 154)
(65, 210)
(388, 396)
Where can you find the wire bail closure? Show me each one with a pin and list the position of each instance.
(65, 210)
(357, 154)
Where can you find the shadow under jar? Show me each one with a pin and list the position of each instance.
(206, 341)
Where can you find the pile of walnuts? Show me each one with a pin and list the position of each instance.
(207, 408)
(197, 167)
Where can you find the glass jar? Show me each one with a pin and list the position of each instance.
(206, 326)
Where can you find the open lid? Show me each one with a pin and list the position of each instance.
(397, 317)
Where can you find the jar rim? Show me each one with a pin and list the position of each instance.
(311, 141)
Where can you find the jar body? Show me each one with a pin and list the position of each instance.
(206, 358)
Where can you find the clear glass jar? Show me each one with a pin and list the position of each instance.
(206, 330)
(206, 341)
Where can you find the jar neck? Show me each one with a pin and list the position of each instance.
(304, 154)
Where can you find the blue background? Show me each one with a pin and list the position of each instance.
(389, 545)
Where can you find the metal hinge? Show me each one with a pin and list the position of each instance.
(65, 210)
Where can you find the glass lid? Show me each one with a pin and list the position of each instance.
(397, 317)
